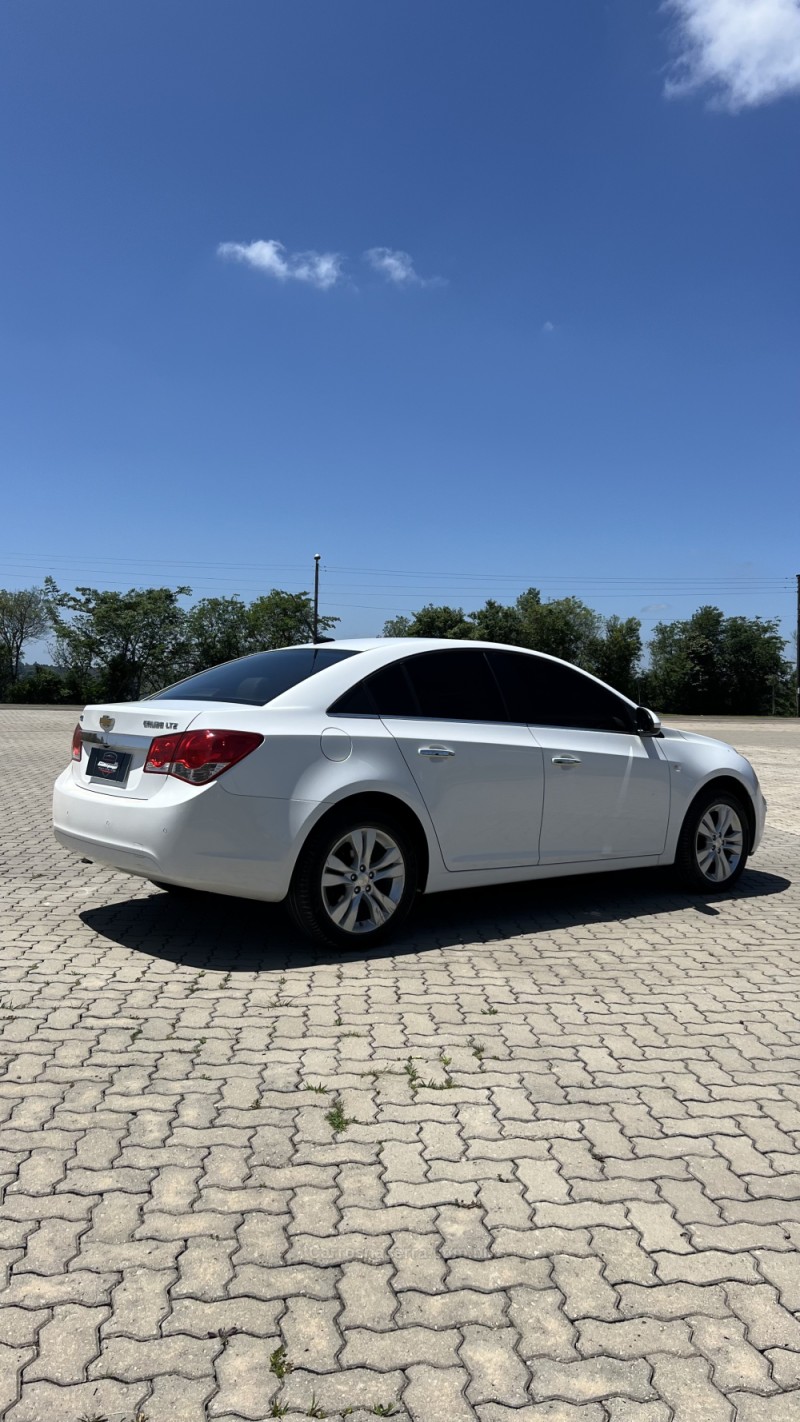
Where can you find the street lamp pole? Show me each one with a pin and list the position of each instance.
(797, 647)
(316, 596)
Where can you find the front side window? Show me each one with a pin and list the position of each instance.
(544, 693)
(257, 679)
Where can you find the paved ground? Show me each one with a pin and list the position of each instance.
(567, 1187)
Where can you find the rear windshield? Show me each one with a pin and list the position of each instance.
(255, 680)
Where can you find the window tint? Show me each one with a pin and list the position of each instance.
(548, 694)
(255, 680)
(456, 686)
(385, 693)
(451, 686)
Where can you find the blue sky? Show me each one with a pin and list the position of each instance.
(465, 297)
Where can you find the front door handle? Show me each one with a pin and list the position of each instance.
(435, 752)
(566, 760)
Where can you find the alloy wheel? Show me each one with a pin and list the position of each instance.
(719, 843)
(363, 879)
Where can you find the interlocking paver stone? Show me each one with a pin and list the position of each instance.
(450, 1310)
(437, 1395)
(497, 1373)
(12, 1361)
(585, 1290)
(369, 1301)
(782, 1270)
(67, 1344)
(246, 1385)
(310, 1334)
(769, 1324)
(633, 1338)
(399, 1348)
(590, 1379)
(672, 1300)
(785, 1365)
(597, 1222)
(709, 1267)
(783, 1407)
(539, 1319)
(46, 1401)
(133, 1361)
(179, 1399)
(736, 1363)
(684, 1384)
(354, 1387)
(542, 1412)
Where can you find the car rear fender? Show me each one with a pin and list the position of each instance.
(372, 799)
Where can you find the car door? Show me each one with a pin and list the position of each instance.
(607, 788)
(482, 779)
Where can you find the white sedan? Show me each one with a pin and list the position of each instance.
(347, 778)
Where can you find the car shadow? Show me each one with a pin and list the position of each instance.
(236, 935)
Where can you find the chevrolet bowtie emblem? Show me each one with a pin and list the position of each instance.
(107, 722)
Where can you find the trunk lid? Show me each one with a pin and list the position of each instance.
(116, 739)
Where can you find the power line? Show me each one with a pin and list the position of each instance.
(426, 577)
(454, 586)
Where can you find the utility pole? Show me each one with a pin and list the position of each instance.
(797, 645)
(317, 596)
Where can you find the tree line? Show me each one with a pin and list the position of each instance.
(118, 646)
(707, 664)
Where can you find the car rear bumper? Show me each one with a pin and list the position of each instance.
(198, 838)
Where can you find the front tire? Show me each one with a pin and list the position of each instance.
(714, 843)
(355, 880)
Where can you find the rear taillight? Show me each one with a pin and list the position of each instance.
(77, 743)
(199, 756)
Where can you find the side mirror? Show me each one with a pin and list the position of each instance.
(647, 723)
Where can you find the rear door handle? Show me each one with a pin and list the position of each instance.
(435, 752)
(566, 760)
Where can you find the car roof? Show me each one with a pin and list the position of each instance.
(326, 686)
(415, 644)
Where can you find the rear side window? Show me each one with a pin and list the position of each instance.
(386, 693)
(549, 694)
(257, 679)
(449, 686)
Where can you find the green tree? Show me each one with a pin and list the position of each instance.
(617, 652)
(432, 621)
(685, 663)
(283, 619)
(43, 686)
(754, 672)
(564, 627)
(217, 630)
(710, 664)
(496, 622)
(23, 618)
(119, 646)
(397, 627)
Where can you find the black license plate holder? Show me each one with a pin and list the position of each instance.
(108, 765)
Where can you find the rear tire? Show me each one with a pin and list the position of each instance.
(714, 843)
(355, 881)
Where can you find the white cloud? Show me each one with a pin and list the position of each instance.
(655, 607)
(746, 51)
(397, 267)
(548, 328)
(320, 269)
